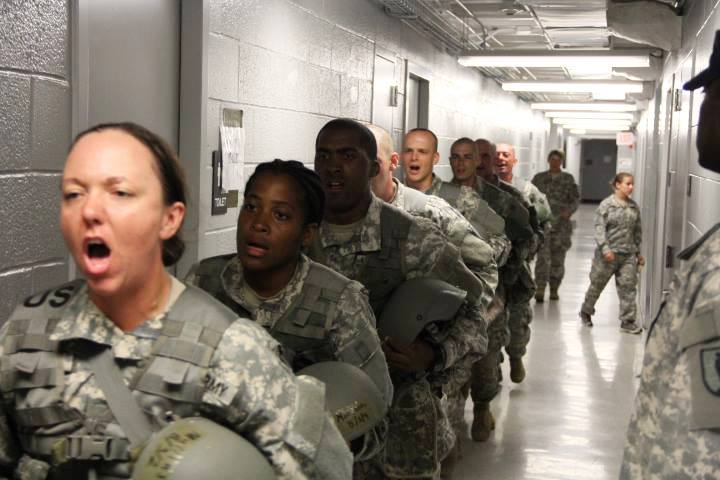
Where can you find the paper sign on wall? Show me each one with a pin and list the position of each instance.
(232, 140)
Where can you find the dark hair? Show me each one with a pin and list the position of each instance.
(463, 140)
(619, 178)
(425, 130)
(557, 153)
(367, 140)
(169, 170)
(308, 181)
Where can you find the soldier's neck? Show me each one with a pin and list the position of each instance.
(351, 215)
(507, 177)
(130, 308)
(422, 185)
(267, 283)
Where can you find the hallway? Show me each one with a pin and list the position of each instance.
(567, 420)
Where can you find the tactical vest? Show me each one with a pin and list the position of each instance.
(384, 271)
(303, 328)
(414, 201)
(170, 383)
(449, 192)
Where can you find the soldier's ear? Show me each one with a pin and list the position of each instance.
(308, 235)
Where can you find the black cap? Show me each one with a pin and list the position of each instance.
(710, 74)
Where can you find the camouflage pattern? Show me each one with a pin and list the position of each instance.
(416, 417)
(535, 197)
(247, 388)
(625, 269)
(472, 245)
(350, 320)
(562, 194)
(617, 230)
(350, 327)
(673, 431)
(617, 226)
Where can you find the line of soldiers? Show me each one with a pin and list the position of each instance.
(384, 240)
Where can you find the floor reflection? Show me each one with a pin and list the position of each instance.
(567, 420)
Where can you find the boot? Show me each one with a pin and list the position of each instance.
(554, 292)
(483, 422)
(585, 319)
(540, 295)
(517, 369)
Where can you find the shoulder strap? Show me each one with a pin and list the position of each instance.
(689, 251)
(123, 405)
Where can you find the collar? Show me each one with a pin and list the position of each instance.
(232, 279)
(368, 237)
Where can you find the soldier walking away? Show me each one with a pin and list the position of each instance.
(618, 234)
(562, 193)
(674, 429)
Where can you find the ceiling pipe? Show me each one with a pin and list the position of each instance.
(677, 6)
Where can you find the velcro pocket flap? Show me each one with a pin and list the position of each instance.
(703, 327)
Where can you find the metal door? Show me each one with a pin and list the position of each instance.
(384, 93)
(597, 168)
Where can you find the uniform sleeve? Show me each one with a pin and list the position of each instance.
(600, 229)
(574, 194)
(479, 257)
(9, 454)
(427, 254)
(355, 340)
(282, 415)
(637, 233)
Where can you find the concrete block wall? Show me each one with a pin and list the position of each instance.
(292, 65)
(35, 132)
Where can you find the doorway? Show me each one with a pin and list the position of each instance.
(597, 169)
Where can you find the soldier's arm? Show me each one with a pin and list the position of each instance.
(479, 257)
(638, 232)
(281, 414)
(9, 445)
(600, 229)
(574, 200)
(355, 340)
(466, 337)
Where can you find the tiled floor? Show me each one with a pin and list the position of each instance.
(567, 420)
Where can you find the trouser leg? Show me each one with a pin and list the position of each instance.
(520, 316)
(600, 274)
(542, 266)
(626, 284)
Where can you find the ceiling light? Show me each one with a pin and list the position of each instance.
(599, 115)
(577, 86)
(588, 106)
(565, 59)
(578, 131)
(605, 128)
(575, 121)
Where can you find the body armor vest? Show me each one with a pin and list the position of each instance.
(170, 383)
(303, 328)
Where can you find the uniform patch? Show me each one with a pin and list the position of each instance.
(710, 364)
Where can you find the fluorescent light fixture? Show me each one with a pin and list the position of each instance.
(595, 115)
(575, 86)
(593, 121)
(587, 106)
(565, 59)
(599, 128)
(578, 131)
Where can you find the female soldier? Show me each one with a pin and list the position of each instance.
(314, 312)
(618, 235)
(70, 357)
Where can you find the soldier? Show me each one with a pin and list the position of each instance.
(461, 233)
(380, 246)
(618, 234)
(674, 429)
(518, 298)
(562, 193)
(272, 282)
(92, 368)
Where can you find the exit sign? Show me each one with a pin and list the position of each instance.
(625, 138)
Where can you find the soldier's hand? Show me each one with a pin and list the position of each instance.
(609, 257)
(416, 357)
(641, 260)
(565, 213)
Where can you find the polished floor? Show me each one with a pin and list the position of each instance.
(567, 420)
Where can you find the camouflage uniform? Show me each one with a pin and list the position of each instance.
(617, 230)
(673, 431)
(340, 325)
(462, 234)
(562, 194)
(370, 257)
(234, 377)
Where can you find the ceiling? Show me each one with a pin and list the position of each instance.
(462, 26)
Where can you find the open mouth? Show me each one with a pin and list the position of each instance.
(334, 186)
(97, 256)
(414, 169)
(255, 249)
